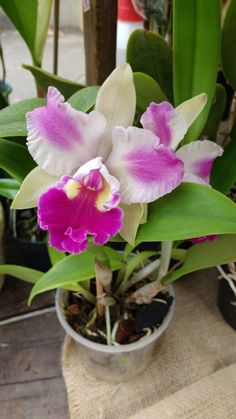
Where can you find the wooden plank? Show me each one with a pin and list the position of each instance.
(30, 349)
(14, 298)
(100, 40)
(45, 399)
(31, 386)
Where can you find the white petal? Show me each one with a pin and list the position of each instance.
(116, 100)
(133, 217)
(60, 138)
(165, 122)
(198, 158)
(192, 108)
(145, 169)
(34, 185)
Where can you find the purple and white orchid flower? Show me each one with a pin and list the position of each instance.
(88, 163)
(170, 125)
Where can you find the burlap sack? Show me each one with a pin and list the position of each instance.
(197, 344)
(212, 397)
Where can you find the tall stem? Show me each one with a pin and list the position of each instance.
(56, 35)
(108, 324)
(166, 250)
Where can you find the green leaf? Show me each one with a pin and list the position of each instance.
(12, 118)
(196, 46)
(45, 79)
(216, 113)
(9, 188)
(223, 174)
(191, 210)
(228, 53)
(71, 270)
(147, 91)
(21, 272)
(206, 255)
(54, 255)
(15, 159)
(31, 19)
(148, 52)
(135, 261)
(85, 99)
(43, 18)
(115, 258)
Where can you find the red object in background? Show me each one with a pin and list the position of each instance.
(127, 12)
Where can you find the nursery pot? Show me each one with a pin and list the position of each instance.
(113, 363)
(227, 303)
(34, 255)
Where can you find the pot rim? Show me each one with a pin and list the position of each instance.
(105, 348)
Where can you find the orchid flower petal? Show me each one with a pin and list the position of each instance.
(165, 122)
(33, 186)
(61, 138)
(198, 158)
(134, 215)
(146, 169)
(79, 206)
(116, 100)
(202, 239)
(191, 108)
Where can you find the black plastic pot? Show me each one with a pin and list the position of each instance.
(225, 299)
(22, 252)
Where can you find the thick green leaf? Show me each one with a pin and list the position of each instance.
(23, 14)
(147, 91)
(9, 188)
(228, 52)
(191, 210)
(43, 18)
(12, 118)
(148, 52)
(85, 99)
(216, 113)
(54, 255)
(21, 272)
(135, 261)
(31, 19)
(45, 79)
(196, 46)
(206, 255)
(15, 159)
(223, 174)
(71, 270)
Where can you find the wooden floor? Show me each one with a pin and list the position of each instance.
(31, 385)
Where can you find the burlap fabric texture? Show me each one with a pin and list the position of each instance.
(186, 378)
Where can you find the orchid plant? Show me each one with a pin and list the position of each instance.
(89, 165)
(96, 174)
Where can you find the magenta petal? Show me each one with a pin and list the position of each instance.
(69, 221)
(202, 239)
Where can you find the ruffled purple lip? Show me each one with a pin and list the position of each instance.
(70, 220)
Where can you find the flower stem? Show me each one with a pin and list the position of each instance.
(166, 250)
(108, 324)
(143, 273)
